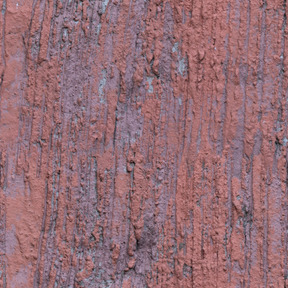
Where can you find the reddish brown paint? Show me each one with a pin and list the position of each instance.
(143, 143)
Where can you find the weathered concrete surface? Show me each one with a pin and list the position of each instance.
(143, 143)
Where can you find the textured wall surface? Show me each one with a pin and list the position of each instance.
(143, 143)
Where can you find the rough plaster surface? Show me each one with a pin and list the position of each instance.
(143, 143)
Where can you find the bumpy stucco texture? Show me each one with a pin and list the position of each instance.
(143, 143)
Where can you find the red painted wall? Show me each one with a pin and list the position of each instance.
(143, 143)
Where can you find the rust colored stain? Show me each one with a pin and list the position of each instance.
(143, 143)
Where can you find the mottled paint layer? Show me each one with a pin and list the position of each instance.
(143, 143)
